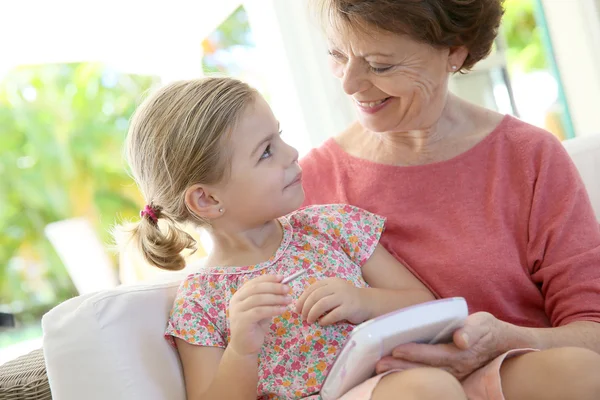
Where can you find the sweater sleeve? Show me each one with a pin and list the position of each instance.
(564, 239)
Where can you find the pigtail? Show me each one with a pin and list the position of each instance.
(161, 240)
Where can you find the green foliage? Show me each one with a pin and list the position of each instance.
(523, 36)
(62, 131)
(234, 31)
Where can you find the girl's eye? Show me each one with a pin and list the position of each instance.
(379, 70)
(267, 153)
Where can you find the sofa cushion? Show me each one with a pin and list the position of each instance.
(110, 345)
(585, 153)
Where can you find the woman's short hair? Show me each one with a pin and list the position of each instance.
(439, 23)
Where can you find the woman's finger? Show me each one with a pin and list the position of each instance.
(477, 326)
(433, 355)
(391, 363)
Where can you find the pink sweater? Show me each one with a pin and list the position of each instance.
(508, 224)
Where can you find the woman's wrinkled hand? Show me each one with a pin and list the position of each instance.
(480, 340)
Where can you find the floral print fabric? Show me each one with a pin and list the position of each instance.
(327, 241)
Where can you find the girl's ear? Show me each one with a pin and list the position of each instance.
(202, 203)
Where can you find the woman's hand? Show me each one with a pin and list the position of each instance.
(337, 298)
(482, 339)
(251, 309)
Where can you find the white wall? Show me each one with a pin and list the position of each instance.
(305, 94)
(574, 27)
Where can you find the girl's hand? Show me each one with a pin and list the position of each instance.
(340, 299)
(251, 309)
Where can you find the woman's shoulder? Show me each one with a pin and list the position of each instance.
(326, 154)
(324, 170)
(526, 135)
(532, 145)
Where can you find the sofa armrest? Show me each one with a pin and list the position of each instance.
(25, 378)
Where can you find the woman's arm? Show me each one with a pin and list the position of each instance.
(210, 371)
(578, 334)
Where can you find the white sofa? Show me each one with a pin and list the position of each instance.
(585, 152)
(109, 345)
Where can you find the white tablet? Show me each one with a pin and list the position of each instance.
(431, 322)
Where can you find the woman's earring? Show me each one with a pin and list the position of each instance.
(454, 68)
(221, 210)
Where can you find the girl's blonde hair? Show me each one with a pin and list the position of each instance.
(175, 140)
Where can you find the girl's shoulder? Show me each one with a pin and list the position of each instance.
(321, 215)
(335, 219)
(205, 283)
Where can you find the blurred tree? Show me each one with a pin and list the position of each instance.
(234, 31)
(62, 129)
(525, 51)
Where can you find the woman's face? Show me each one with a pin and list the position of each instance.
(397, 84)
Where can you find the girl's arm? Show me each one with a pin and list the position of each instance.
(393, 286)
(232, 374)
(216, 373)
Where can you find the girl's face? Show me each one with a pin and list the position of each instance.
(265, 180)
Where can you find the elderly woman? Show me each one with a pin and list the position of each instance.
(478, 204)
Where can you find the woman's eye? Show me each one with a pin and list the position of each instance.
(267, 153)
(336, 56)
(379, 70)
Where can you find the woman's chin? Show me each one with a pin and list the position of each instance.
(377, 125)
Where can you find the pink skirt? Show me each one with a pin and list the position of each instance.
(483, 384)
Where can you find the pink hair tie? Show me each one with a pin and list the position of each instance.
(151, 213)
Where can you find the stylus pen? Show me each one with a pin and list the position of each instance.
(293, 276)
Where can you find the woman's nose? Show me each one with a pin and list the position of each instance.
(353, 79)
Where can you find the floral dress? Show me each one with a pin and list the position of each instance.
(327, 241)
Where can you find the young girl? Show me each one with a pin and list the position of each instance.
(208, 153)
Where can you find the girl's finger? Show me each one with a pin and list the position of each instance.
(266, 299)
(313, 298)
(258, 314)
(323, 305)
(334, 316)
(307, 292)
(261, 288)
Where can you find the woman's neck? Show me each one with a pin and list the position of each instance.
(241, 247)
